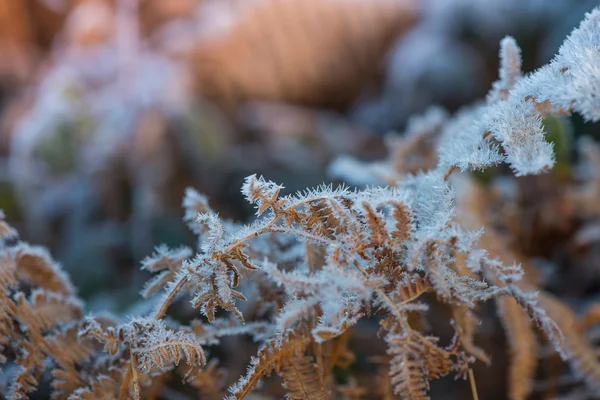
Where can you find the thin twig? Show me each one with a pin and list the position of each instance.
(136, 384)
(473, 386)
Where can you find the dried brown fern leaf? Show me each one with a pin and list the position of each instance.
(403, 222)
(72, 356)
(35, 266)
(45, 310)
(301, 379)
(218, 292)
(354, 231)
(273, 355)
(378, 234)
(264, 194)
(110, 337)
(411, 287)
(38, 317)
(417, 359)
(103, 387)
(64, 383)
(442, 361)
(145, 344)
(165, 261)
(35, 326)
(159, 348)
(8, 273)
(210, 381)
(439, 362)
(523, 347)
(320, 219)
(332, 354)
(319, 215)
(408, 369)
(153, 348)
(403, 296)
(339, 354)
(8, 308)
(30, 362)
(582, 355)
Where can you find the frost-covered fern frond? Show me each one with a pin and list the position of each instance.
(39, 313)
(519, 129)
(572, 79)
(380, 248)
(274, 355)
(417, 360)
(431, 199)
(165, 261)
(510, 69)
(462, 144)
(193, 204)
(261, 192)
(160, 348)
(312, 267)
(511, 117)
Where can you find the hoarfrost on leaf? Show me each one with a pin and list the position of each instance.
(432, 200)
(518, 127)
(463, 145)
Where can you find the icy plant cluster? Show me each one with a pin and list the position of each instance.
(314, 264)
(508, 126)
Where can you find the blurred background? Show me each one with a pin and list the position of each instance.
(110, 108)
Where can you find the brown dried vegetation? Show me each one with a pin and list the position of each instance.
(318, 269)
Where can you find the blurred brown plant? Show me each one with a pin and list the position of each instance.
(313, 52)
